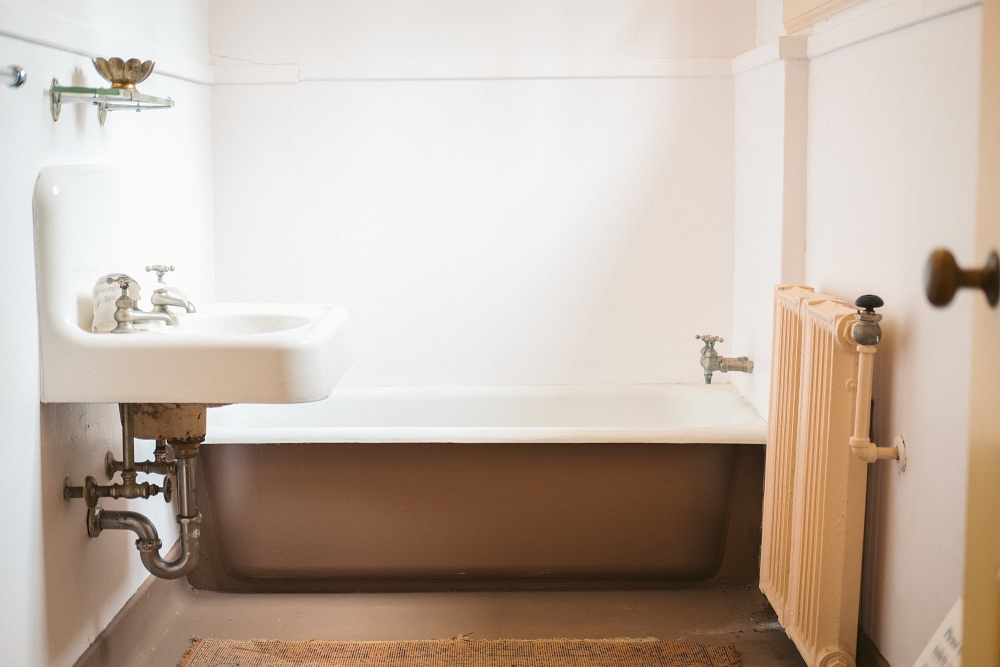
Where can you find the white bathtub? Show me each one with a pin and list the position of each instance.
(666, 413)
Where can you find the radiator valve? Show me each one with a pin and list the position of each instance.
(866, 328)
(867, 333)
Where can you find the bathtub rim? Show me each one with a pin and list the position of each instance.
(749, 435)
(748, 429)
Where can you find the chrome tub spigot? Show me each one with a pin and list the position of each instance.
(712, 361)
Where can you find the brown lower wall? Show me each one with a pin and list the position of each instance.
(337, 517)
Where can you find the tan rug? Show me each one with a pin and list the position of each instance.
(459, 653)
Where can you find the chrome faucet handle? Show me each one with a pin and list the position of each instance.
(124, 304)
(160, 270)
(124, 282)
(709, 339)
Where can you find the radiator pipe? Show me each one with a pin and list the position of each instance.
(867, 333)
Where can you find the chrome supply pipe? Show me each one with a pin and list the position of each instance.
(128, 445)
(91, 491)
(149, 544)
(182, 468)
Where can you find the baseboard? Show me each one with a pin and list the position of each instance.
(131, 632)
(868, 653)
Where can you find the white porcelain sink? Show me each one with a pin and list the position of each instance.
(223, 353)
(226, 319)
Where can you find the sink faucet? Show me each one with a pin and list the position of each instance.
(127, 315)
(712, 362)
(164, 295)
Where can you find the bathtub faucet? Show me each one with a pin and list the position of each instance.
(712, 362)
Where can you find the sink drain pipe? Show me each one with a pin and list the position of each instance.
(148, 544)
(183, 469)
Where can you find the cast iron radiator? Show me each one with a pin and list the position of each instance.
(814, 487)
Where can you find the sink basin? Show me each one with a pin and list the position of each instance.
(215, 321)
(224, 353)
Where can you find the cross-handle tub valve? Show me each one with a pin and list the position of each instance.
(711, 361)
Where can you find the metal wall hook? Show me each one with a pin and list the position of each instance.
(13, 76)
(943, 277)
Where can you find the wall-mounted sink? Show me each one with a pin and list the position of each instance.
(226, 319)
(223, 353)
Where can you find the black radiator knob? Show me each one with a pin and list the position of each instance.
(869, 302)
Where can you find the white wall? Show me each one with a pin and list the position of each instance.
(485, 230)
(890, 175)
(177, 30)
(59, 587)
(265, 31)
(771, 131)
(769, 26)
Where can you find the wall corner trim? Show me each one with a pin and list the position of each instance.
(847, 29)
(36, 27)
(841, 31)
(782, 48)
(807, 15)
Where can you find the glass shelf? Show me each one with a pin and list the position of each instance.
(106, 99)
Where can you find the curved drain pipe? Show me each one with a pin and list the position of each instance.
(149, 544)
(182, 425)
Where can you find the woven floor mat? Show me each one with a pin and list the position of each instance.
(458, 653)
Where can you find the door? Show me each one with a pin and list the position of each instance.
(981, 631)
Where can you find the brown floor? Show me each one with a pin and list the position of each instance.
(154, 631)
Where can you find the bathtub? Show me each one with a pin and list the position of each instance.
(417, 488)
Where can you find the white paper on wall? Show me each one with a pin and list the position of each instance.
(945, 647)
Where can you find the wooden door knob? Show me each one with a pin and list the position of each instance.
(943, 277)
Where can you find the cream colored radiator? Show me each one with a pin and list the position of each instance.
(814, 488)
(782, 427)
